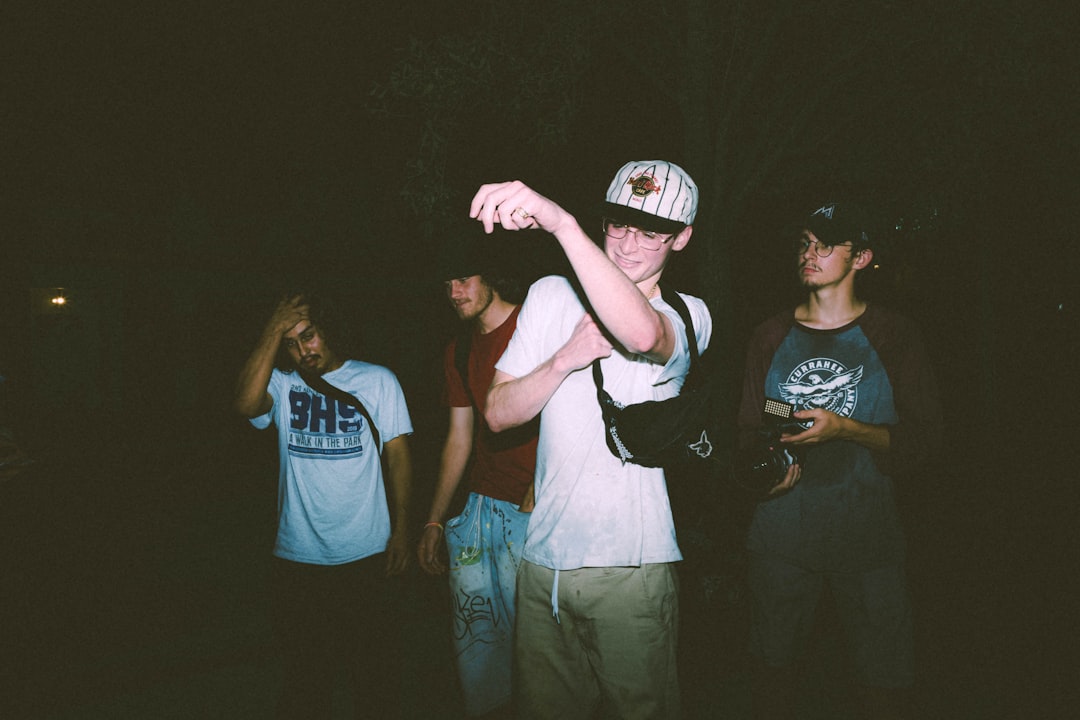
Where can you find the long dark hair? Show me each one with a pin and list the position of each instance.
(507, 283)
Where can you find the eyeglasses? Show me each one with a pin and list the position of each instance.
(820, 249)
(646, 239)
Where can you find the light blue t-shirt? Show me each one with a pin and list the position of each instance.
(591, 509)
(331, 494)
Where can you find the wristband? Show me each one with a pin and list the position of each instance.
(434, 524)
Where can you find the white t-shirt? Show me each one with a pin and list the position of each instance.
(592, 510)
(331, 495)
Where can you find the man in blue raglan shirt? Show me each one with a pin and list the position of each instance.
(867, 402)
(337, 539)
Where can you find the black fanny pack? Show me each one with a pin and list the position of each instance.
(691, 427)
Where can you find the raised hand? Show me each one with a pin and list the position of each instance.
(516, 206)
(287, 314)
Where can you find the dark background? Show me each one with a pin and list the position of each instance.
(171, 169)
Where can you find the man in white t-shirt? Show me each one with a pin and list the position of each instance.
(336, 544)
(597, 591)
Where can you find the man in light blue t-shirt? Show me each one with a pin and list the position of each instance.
(336, 543)
(597, 594)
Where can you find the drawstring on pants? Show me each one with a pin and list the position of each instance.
(555, 598)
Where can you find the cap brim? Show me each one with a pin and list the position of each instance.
(637, 218)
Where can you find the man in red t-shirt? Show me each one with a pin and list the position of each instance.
(484, 542)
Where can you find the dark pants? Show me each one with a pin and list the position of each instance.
(331, 622)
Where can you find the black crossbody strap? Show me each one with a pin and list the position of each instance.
(316, 382)
(674, 300)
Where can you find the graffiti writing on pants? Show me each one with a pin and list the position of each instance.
(470, 613)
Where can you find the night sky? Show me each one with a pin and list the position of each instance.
(233, 134)
(175, 167)
(194, 159)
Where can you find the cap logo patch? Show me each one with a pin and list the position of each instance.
(826, 210)
(654, 187)
(643, 184)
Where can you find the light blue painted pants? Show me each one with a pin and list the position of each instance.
(485, 544)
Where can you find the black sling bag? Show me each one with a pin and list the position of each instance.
(692, 427)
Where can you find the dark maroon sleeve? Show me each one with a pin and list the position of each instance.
(759, 354)
(918, 433)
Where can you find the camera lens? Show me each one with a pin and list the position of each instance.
(762, 466)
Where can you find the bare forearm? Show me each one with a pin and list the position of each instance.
(616, 301)
(250, 398)
(826, 426)
(873, 437)
(399, 481)
(515, 401)
(455, 457)
(399, 491)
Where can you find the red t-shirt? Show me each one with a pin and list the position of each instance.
(502, 463)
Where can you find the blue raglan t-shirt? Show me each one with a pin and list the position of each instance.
(842, 515)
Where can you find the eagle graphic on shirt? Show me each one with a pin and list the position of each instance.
(825, 386)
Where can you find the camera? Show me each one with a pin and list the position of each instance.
(762, 465)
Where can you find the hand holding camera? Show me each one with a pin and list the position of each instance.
(768, 467)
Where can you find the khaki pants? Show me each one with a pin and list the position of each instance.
(613, 643)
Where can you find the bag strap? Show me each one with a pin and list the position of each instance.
(316, 382)
(675, 300)
(679, 304)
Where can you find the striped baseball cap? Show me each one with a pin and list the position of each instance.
(652, 195)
